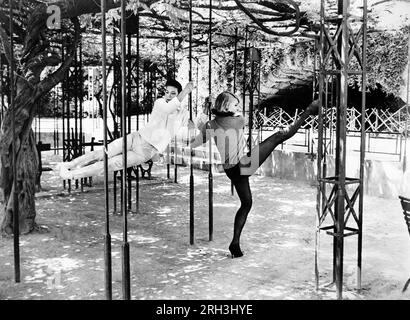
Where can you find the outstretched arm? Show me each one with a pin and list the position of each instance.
(199, 139)
(188, 88)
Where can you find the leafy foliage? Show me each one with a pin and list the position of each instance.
(387, 57)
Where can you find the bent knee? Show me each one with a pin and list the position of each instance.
(246, 204)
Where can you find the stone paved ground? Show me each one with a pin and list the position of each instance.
(67, 261)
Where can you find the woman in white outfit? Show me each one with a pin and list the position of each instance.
(166, 119)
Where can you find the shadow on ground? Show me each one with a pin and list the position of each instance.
(66, 260)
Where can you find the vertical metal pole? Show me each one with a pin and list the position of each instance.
(57, 122)
(167, 74)
(362, 146)
(250, 111)
(336, 98)
(1, 91)
(76, 85)
(137, 176)
(235, 63)
(107, 235)
(210, 175)
(235, 60)
(407, 109)
(63, 96)
(115, 71)
(191, 167)
(259, 95)
(320, 184)
(81, 134)
(69, 141)
(166, 59)
(129, 79)
(244, 71)
(174, 63)
(175, 144)
(126, 288)
(175, 160)
(343, 47)
(16, 229)
(196, 86)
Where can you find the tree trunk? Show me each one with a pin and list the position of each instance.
(27, 169)
(29, 89)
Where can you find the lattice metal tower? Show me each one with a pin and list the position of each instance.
(339, 196)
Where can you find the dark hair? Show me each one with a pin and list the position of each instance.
(174, 83)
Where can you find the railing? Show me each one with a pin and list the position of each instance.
(379, 124)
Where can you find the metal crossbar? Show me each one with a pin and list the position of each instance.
(405, 204)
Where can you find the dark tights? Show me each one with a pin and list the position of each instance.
(241, 181)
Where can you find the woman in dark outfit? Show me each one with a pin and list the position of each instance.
(239, 165)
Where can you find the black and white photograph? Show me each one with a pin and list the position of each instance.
(205, 157)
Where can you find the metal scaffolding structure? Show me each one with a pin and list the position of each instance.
(341, 47)
(72, 111)
(340, 197)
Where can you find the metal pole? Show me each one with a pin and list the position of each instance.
(63, 96)
(137, 182)
(16, 229)
(343, 47)
(126, 288)
(407, 110)
(235, 59)
(250, 110)
(244, 70)
(362, 147)
(107, 236)
(167, 74)
(210, 175)
(320, 184)
(191, 167)
(1, 90)
(129, 79)
(196, 86)
(174, 63)
(175, 160)
(69, 141)
(166, 59)
(259, 94)
(175, 144)
(81, 134)
(76, 85)
(235, 63)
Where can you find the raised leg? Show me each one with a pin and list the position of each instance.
(85, 159)
(261, 152)
(114, 164)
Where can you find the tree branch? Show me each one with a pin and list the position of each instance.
(17, 29)
(56, 77)
(268, 30)
(5, 42)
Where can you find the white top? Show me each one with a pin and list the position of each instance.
(167, 121)
(165, 117)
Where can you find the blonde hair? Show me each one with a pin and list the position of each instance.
(222, 102)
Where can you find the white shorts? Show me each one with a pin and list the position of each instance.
(138, 151)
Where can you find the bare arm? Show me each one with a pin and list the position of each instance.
(201, 138)
(188, 88)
